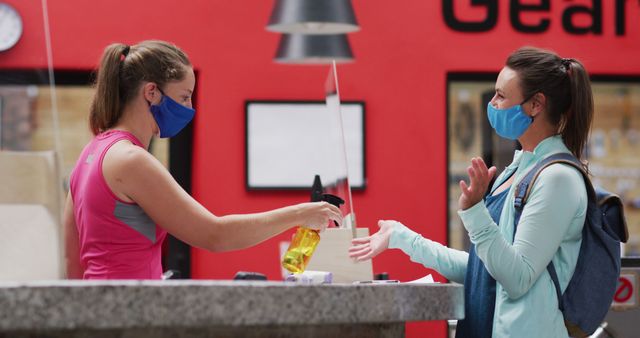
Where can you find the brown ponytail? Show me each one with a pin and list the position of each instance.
(106, 106)
(577, 122)
(122, 71)
(566, 86)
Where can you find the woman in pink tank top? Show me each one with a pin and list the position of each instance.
(122, 201)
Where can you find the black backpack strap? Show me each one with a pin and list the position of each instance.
(523, 189)
(556, 282)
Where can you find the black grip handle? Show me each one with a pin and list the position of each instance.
(335, 200)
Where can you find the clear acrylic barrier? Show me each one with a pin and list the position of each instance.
(332, 174)
(30, 152)
(336, 174)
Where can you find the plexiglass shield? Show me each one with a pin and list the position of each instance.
(31, 192)
(336, 176)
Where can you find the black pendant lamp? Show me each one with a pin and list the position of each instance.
(313, 49)
(313, 17)
(314, 31)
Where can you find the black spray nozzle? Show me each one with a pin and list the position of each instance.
(333, 199)
(316, 190)
(318, 196)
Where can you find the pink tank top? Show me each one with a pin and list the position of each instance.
(117, 238)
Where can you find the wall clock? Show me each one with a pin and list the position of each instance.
(10, 26)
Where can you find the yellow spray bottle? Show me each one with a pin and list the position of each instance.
(306, 240)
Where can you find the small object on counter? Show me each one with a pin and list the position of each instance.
(428, 279)
(247, 275)
(386, 281)
(381, 276)
(311, 277)
(171, 274)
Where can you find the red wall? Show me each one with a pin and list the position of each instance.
(403, 54)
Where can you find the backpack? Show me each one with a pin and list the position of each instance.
(589, 294)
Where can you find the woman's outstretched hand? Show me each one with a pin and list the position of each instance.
(368, 247)
(480, 178)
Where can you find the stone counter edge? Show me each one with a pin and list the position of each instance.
(133, 304)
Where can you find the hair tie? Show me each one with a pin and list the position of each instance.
(125, 52)
(566, 63)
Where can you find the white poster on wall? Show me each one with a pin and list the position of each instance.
(287, 144)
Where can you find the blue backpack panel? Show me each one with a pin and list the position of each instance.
(588, 296)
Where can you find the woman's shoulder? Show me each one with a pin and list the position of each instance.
(126, 168)
(561, 172)
(562, 182)
(128, 155)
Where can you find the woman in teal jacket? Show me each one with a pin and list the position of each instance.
(545, 102)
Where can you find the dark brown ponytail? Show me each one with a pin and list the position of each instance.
(577, 123)
(122, 71)
(566, 86)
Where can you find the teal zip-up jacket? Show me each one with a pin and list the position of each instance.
(550, 228)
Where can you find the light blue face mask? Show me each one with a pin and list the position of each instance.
(171, 116)
(510, 122)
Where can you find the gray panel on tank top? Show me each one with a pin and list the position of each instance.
(133, 216)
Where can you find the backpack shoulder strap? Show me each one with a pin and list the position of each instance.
(524, 187)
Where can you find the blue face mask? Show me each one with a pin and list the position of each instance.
(171, 116)
(510, 122)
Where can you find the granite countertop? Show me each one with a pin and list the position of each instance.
(190, 303)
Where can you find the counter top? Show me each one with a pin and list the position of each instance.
(129, 304)
(191, 308)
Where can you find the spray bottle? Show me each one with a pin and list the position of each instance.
(306, 240)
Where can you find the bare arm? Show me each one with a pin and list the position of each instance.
(75, 270)
(137, 174)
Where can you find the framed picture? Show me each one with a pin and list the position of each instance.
(287, 144)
